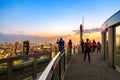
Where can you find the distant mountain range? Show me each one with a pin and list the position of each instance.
(20, 37)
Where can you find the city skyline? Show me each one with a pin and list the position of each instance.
(52, 19)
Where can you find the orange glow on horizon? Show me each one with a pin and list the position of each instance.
(74, 37)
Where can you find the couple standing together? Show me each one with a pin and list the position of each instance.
(61, 44)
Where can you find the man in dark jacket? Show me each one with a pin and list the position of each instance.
(61, 44)
(87, 50)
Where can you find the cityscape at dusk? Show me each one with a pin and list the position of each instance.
(59, 39)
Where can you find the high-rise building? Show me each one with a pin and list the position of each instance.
(26, 47)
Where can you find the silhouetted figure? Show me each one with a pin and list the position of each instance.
(82, 46)
(94, 45)
(87, 50)
(70, 44)
(61, 44)
(90, 46)
(70, 47)
(98, 47)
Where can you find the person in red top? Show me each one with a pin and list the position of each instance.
(94, 45)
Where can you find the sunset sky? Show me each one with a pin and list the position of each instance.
(54, 18)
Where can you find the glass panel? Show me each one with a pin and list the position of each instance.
(106, 49)
(117, 49)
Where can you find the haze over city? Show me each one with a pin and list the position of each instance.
(60, 39)
(47, 20)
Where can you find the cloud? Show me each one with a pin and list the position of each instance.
(96, 29)
(20, 32)
(76, 31)
(36, 39)
(68, 35)
(19, 37)
(62, 36)
(88, 30)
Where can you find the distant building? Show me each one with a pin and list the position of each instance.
(26, 47)
(18, 48)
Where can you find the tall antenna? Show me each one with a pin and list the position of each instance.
(81, 32)
(83, 21)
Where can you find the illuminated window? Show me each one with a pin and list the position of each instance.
(117, 49)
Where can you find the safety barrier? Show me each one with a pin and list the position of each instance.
(31, 65)
(56, 68)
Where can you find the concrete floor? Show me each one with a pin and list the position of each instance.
(97, 69)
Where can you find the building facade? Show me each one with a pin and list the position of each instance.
(111, 41)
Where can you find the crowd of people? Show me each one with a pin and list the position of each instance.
(90, 47)
(86, 47)
(93, 46)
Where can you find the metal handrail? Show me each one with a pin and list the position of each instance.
(49, 67)
(48, 73)
(57, 65)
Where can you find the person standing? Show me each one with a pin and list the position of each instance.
(87, 50)
(82, 46)
(94, 45)
(61, 44)
(70, 47)
(70, 44)
(98, 47)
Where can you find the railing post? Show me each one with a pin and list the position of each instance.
(70, 54)
(78, 48)
(53, 72)
(64, 61)
(67, 56)
(34, 67)
(50, 57)
(74, 50)
(60, 69)
(55, 50)
(9, 66)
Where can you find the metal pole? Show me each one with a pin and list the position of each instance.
(74, 50)
(119, 42)
(81, 35)
(35, 67)
(60, 69)
(10, 72)
(64, 62)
